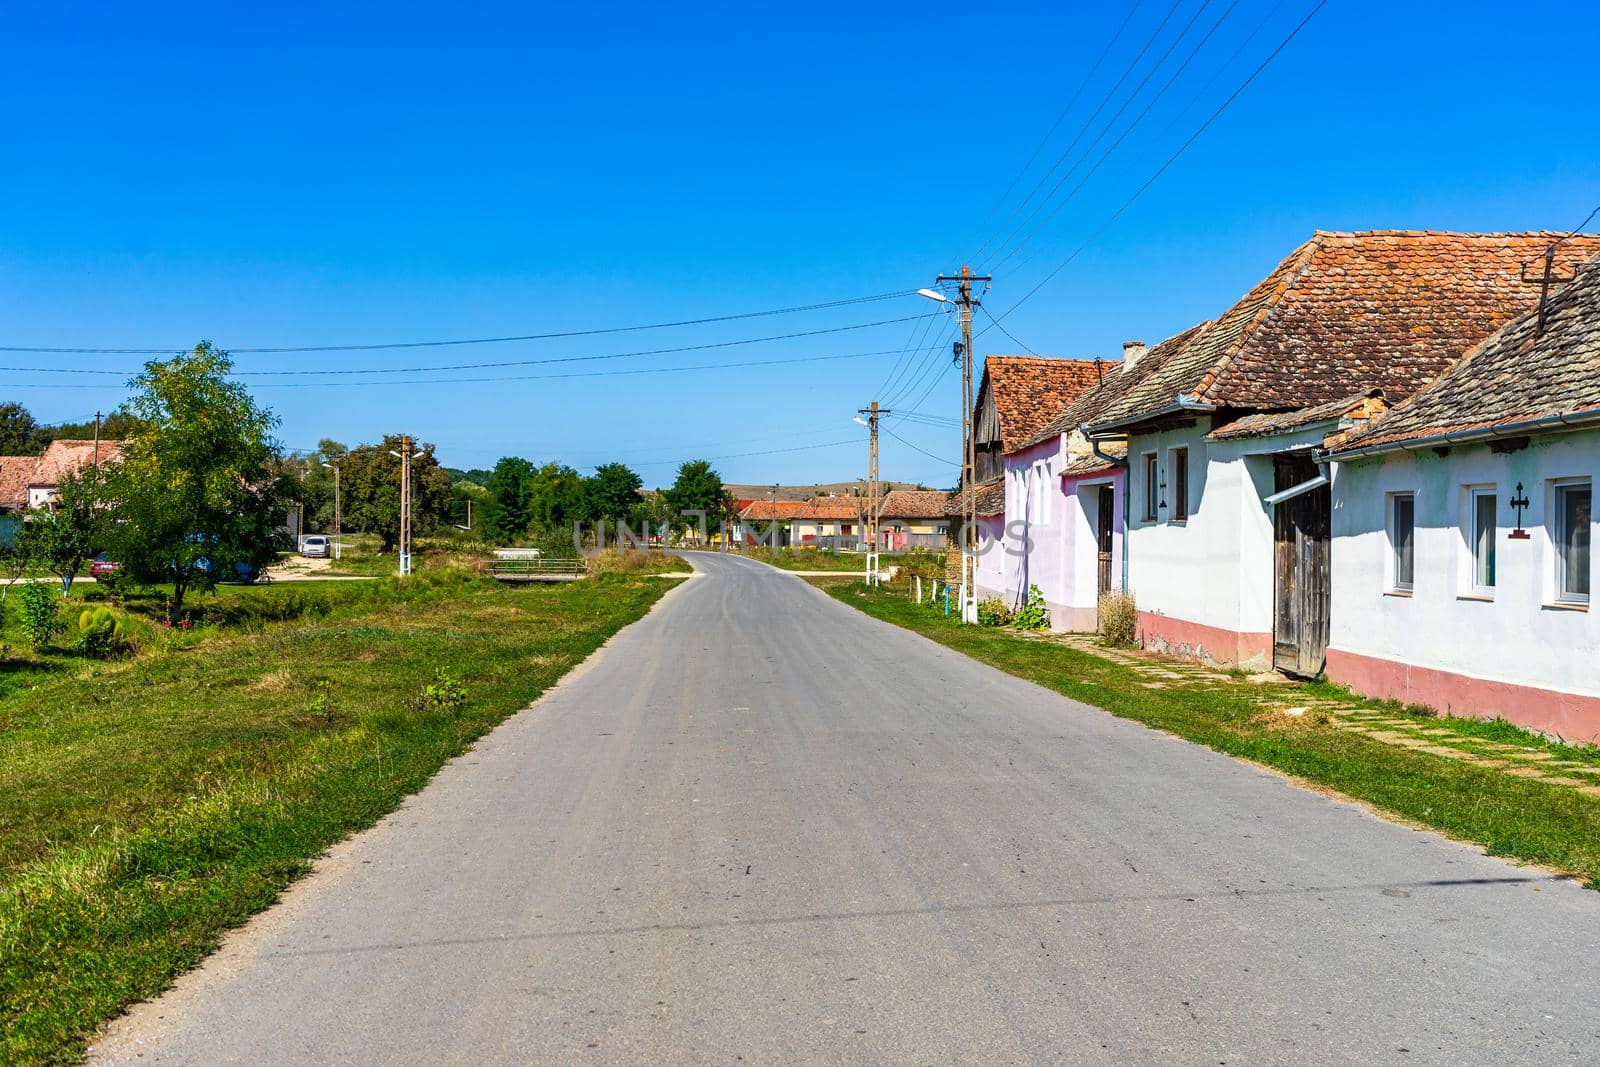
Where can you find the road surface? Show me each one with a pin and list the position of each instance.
(762, 827)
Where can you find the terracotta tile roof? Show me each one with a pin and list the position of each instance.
(1347, 312)
(1118, 383)
(1029, 391)
(15, 474)
(1361, 406)
(1512, 377)
(832, 509)
(1093, 464)
(914, 504)
(61, 458)
(991, 498)
(768, 510)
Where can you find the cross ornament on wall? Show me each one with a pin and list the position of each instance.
(1519, 502)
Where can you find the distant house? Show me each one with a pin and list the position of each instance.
(1229, 521)
(29, 482)
(913, 518)
(757, 517)
(830, 522)
(1463, 530)
(1016, 396)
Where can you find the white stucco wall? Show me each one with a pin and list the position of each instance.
(1215, 569)
(1036, 523)
(1517, 636)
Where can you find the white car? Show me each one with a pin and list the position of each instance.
(314, 545)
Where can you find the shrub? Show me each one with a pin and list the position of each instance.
(444, 693)
(1034, 615)
(1119, 619)
(39, 613)
(100, 632)
(631, 561)
(322, 704)
(993, 612)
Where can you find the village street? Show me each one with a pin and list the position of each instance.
(762, 826)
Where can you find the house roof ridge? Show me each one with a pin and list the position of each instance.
(1306, 254)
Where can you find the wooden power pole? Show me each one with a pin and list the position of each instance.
(406, 453)
(969, 448)
(872, 413)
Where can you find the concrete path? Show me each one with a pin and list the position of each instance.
(761, 827)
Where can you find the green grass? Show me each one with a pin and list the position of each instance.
(150, 803)
(812, 559)
(1540, 823)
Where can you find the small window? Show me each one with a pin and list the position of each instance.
(1574, 511)
(1178, 466)
(1484, 525)
(1152, 491)
(1402, 536)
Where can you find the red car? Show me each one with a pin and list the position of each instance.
(99, 567)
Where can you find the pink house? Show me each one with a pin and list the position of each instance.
(1065, 501)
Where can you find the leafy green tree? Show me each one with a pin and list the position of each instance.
(194, 497)
(612, 492)
(316, 488)
(469, 506)
(699, 488)
(557, 499)
(63, 535)
(17, 430)
(370, 478)
(510, 510)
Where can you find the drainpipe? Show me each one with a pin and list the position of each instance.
(1115, 461)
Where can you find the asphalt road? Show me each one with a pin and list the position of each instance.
(762, 827)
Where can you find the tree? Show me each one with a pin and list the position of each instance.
(370, 480)
(193, 498)
(17, 430)
(62, 535)
(556, 501)
(699, 488)
(510, 509)
(612, 492)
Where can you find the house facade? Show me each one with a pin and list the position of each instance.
(30, 482)
(1229, 517)
(834, 522)
(913, 518)
(1462, 541)
(756, 519)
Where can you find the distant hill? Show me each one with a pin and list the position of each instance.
(806, 492)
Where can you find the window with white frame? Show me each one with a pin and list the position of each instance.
(1482, 526)
(1152, 488)
(1574, 508)
(1178, 469)
(1402, 541)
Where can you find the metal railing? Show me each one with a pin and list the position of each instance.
(536, 568)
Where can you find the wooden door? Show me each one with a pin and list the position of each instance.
(1300, 570)
(1103, 532)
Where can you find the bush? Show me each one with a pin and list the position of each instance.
(444, 693)
(1034, 615)
(1119, 619)
(993, 612)
(39, 613)
(632, 561)
(100, 632)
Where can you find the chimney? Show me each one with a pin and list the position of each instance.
(1132, 353)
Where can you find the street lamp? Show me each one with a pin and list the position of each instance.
(934, 294)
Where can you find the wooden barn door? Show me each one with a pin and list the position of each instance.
(1300, 570)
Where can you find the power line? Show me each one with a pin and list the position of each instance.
(385, 346)
(918, 448)
(1007, 332)
(1111, 92)
(346, 371)
(1170, 160)
(1084, 84)
(1123, 136)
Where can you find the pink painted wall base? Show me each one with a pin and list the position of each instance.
(1209, 644)
(1568, 715)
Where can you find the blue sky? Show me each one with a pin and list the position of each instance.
(359, 174)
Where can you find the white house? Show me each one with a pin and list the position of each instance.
(1229, 521)
(1462, 531)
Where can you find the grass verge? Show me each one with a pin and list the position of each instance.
(1508, 816)
(811, 559)
(148, 804)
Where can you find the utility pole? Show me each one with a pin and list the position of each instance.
(969, 449)
(338, 509)
(405, 454)
(97, 439)
(872, 414)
